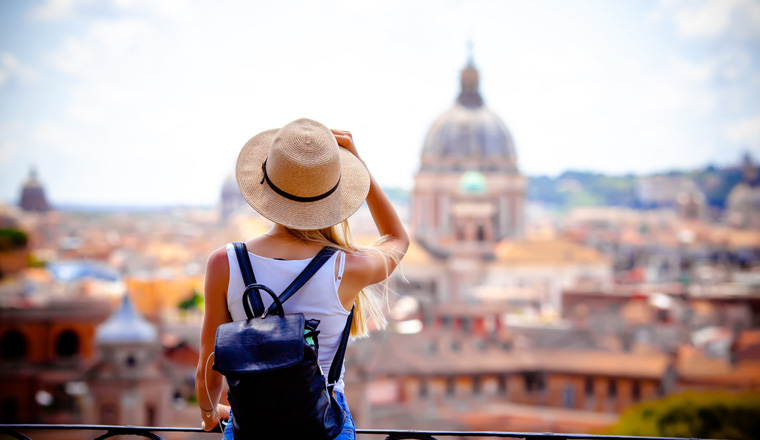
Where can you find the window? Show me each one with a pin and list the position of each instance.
(476, 387)
(446, 321)
(67, 344)
(589, 387)
(150, 415)
(423, 389)
(535, 381)
(10, 411)
(568, 396)
(450, 387)
(13, 345)
(636, 391)
(501, 387)
(612, 389)
(466, 324)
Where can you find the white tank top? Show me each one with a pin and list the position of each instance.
(317, 299)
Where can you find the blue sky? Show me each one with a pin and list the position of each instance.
(149, 101)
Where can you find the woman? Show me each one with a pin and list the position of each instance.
(307, 180)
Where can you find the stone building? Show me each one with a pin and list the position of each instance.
(129, 384)
(743, 203)
(44, 350)
(468, 189)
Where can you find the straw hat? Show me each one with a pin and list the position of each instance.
(299, 177)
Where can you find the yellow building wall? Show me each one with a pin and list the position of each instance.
(154, 295)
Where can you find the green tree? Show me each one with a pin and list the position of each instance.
(11, 239)
(715, 415)
(195, 301)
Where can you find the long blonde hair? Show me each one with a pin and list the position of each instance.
(369, 302)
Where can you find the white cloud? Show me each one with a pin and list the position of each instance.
(105, 44)
(161, 8)
(745, 132)
(11, 67)
(8, 150)
(710, 19)
(59, 10)
(58, 137)
(54, 10)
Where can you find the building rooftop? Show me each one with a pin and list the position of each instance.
(125, 326)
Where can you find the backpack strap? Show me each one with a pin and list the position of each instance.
(337, 364)
(314, 265)
(244, 261)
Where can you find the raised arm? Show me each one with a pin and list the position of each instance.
(365, 269)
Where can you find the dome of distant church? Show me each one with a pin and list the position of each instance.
(126, 326)
(33, 194)
(469, 135)
(231, 199)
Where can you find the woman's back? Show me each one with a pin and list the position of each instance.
(317, 299)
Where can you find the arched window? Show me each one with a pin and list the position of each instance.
(13, 345)
(67, 344)
(10, 411)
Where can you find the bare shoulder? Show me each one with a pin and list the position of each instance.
(218, 268)
(218, 259)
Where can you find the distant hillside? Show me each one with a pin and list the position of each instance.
(578, 188)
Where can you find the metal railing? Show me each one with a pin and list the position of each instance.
(15, 431)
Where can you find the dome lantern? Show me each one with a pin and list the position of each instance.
(469, 96)
(126, 326)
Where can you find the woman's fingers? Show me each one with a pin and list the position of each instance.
(336, 131)
(223, 411)
(345, 140)
(211, 423)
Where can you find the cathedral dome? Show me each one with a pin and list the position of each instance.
(231, 199)
(126, 326)
(469, 135)
(33, 194)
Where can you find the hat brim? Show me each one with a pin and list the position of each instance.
(333, 209)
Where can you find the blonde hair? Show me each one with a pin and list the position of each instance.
(369, 302)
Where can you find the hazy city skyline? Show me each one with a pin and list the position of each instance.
(145, 102)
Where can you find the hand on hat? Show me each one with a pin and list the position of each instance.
(346, 141)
